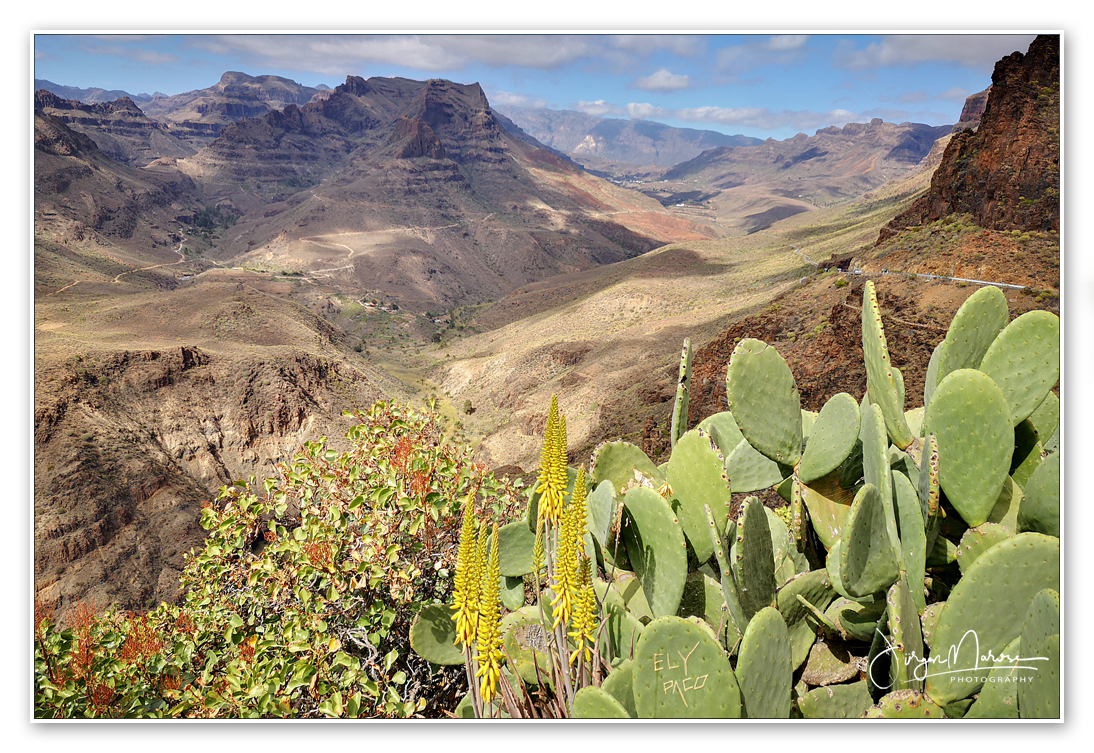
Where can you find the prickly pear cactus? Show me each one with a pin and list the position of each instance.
(765, 401)
(679, 423)
(656, 548)
(617, 462)
(433, 635)
(1040, 508)
(831, 439)
(753, 559)
(696, 473)
(764, 670)
(593, 703)
(515, 544)
(974, 327)
(868, 564)
(836, 702)
(990, 602)
(620, 685)
(680, 672)
(905, 704)
(884, 384)
(750, 471)
(1040, 697)
(1024, 360)
(971, 419)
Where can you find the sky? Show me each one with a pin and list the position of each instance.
(771, 85)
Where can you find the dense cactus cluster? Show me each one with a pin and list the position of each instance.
(917, 543)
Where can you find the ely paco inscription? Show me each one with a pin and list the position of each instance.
(673, 660)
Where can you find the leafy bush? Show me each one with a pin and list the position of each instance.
(300, 600)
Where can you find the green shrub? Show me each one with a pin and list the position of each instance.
(300, 600)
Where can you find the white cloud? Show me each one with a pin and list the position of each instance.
(737, 60)
(599, 108)
(347, 53)
(957, 94)
(512, 99)
(973, 50)
(784, 42)
(646, 111)
(662, 81)
(685, 45)
(748, 117)
(141, 55)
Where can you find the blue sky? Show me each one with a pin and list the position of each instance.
(764, 85)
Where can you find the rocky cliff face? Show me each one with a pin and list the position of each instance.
(128, 445)
(973, 111)
(119, 128)
(1006, 174)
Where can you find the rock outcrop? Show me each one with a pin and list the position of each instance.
(1006, 174)
(119, 128)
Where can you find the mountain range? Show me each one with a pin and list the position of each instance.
(218, 275)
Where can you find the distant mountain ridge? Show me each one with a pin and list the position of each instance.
(92, 95)
(588, 138)
(488, 209)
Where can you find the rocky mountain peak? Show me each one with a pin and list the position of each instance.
(1006, 174)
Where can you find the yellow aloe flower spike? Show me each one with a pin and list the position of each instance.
(580, 514)
(566, 570)
(546, 484)
(584, 622)
(537, 553)
(489, 650)
(466, 585)
(560, 477)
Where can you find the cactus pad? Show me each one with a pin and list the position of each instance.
(433, 635)
(832, 438)
(753, 559)
(620, 685)
(905, 704)
(978, 540)
(828, 504)
(855, 620)
(1024, 360)
(975, 325)
(515, 544)
(679, 423)
(617, 462)
(526, 642)
(1047, 417)
(836, 702)
(1040, 697)
(816, 588)
(764, 670)
(868, 564)
(593, 703)
(722, 428)
(991, 600)
(1040, 508)
(884, 386)
(601, 505)
(906, 667)
(999, 698)
(750, 471)
(656, 549)
(971, 420)
(680, 672)
(696, 472)
(831, 662)
(765, 401)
